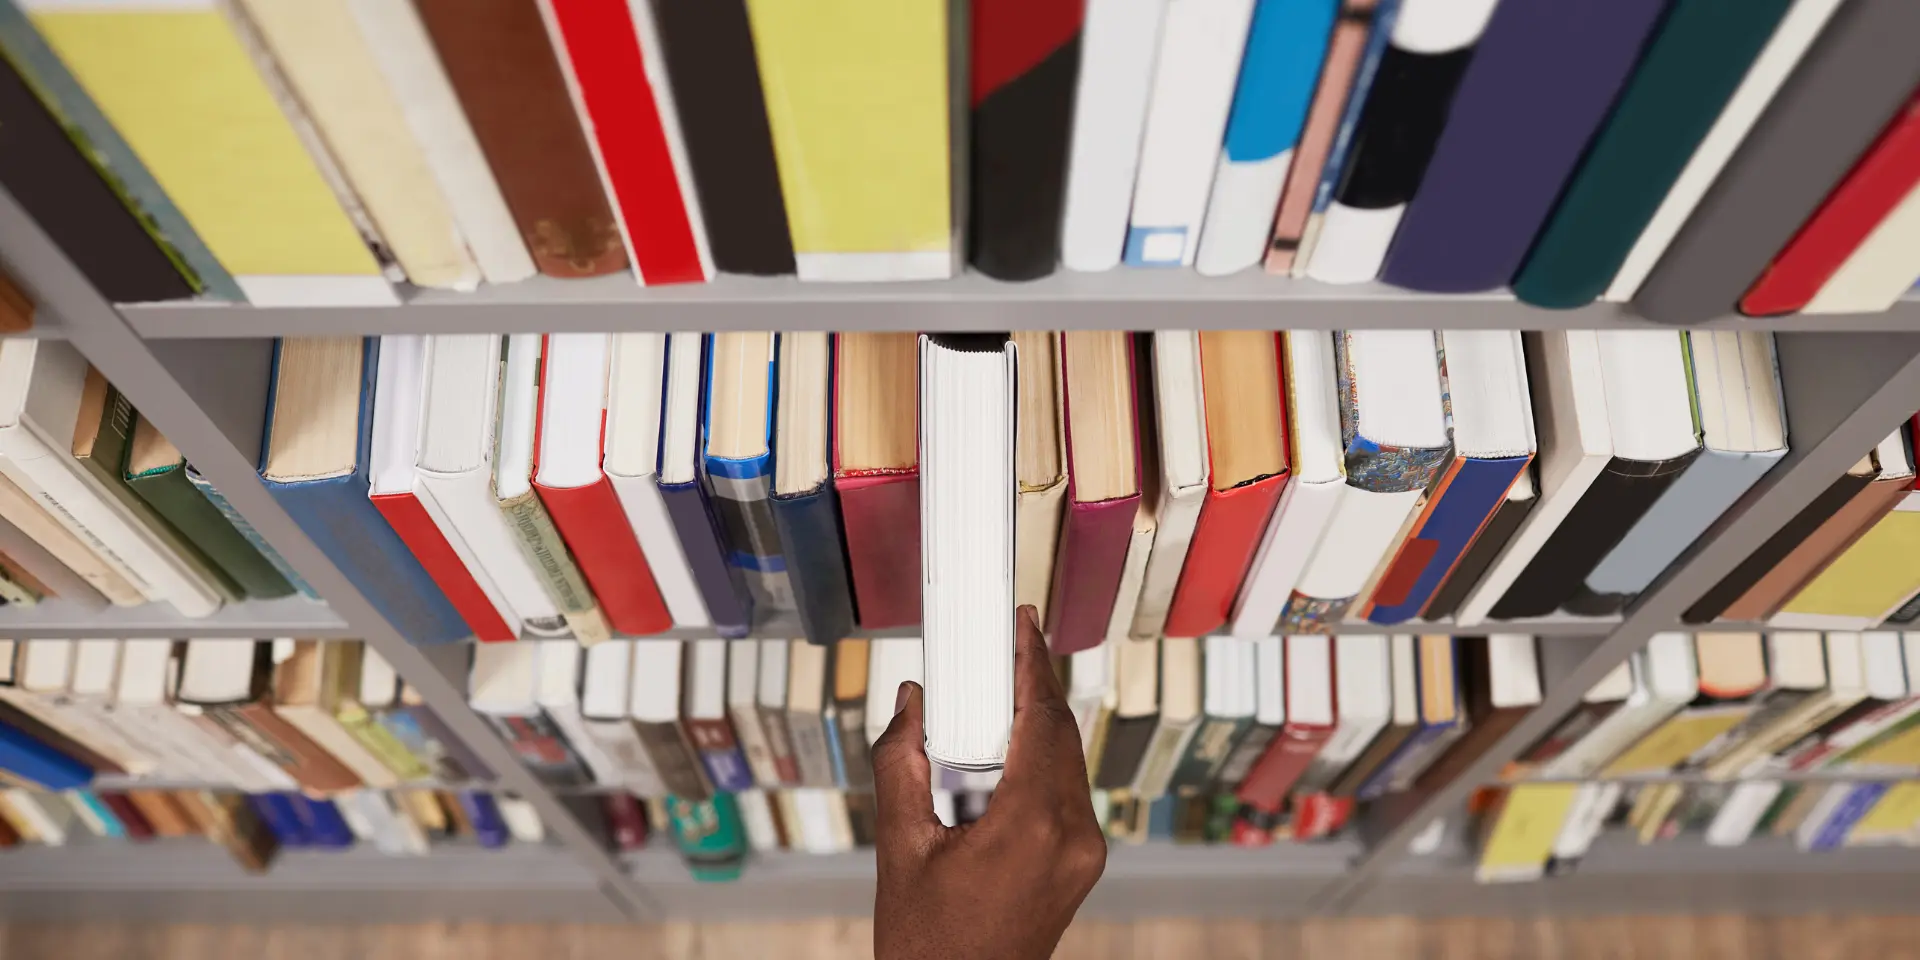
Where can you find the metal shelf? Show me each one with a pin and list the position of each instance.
(293, 616)
(1116, 300)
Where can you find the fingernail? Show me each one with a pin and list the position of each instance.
(900, 698)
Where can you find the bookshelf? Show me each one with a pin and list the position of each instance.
(199, 371)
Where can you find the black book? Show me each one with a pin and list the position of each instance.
(1025, 62)
(1735, 585)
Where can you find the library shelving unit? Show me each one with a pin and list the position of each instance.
(199, 371)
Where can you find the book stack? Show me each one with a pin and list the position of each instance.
(256, 745)
(1728, 738)
(1572, 150)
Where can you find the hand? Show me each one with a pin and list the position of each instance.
(1005, 886)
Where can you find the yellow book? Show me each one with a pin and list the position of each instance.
(1522, 839)
(1892, 820)
(1867, 582)
(1900, 749)
(176, 81)
(320, 49)
(1675, 740)
(856, 96)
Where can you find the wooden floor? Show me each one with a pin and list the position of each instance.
(1625, 938)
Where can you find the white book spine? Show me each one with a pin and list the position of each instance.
(630, 765)
(1742, 812)
(1879, 271)
(522, 820)
(640, 499)
(756, 815)
(486, 543)
(1201, 44)
(1173, 534)
(1770, 69)
(1117, 48)
(144, 756)
(1621, 729)
(406, 58)
(52, 830)
(188, 753)
(1133, 573)
(77, 499)
(1293, 535)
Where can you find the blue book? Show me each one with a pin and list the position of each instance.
(1426, 742)
(741, 479)
(325, 827)
(1278, 75)
(28, 758)
(809, 526)
(830, 720)
(246, 530)
(279, 813)
(483, 814)
(1460, 503)
(330, 502)
(677, 473)
(102, 815)
(1160, 818)
(1384, 16)
(1859, 801)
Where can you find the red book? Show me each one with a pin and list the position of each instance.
(130, 817)
(1099, 523)
(626, 820)
(623, 116)
(1883, 177)
(1311, 716)
(876, 471)
(1241, 379)
(408, 518)
(578, 496)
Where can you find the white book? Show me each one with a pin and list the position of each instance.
(521, 819)
(605, 708)
(1588, 816)
(1353, 241)
(400, 47)
(558, 694)
(1576, 444)
(42, 672)
(90, 690)
(213, 672)
(48, 820)
(816, 832)
(1201, 43)
(189, 752)
(892, 662)
(1091, 692)
(393, 833)
(1181, 699)
(1769, 71)
(1880, 270)
(743, 709)
(1118, 44)
(633, 444)
(41, 386)
(756, 815)
(1311, 496)
(966, 522)
(1665, 679)
(454, 468)
(1133, 572)
(1181, 416)
(1363, 692)
(328, 62)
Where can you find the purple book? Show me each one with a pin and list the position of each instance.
(1543, 80)
(719, 584)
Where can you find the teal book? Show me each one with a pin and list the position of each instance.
(247, 532)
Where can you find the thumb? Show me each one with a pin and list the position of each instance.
(903, 780)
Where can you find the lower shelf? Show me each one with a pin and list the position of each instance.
(192, 880)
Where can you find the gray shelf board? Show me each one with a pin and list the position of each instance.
(1618, 852)
(195, 864)
(1116, 300)
(1883, 775)
(786, 628)
(260, 619)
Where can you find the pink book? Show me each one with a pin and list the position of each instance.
(1316, 138)
(1094, 538)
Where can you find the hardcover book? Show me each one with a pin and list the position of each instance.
(1025, 60)
(1118, 41)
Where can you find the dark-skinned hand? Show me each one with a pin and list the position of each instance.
(1006, 886)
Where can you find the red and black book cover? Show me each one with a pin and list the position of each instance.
(1025, 62)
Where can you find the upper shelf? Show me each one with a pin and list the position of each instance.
(1118, 300)
(256, 619)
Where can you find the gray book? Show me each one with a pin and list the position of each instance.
(1856, 76)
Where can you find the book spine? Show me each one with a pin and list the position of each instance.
(754, 744)
(537, 741)
(1342, 62)
(674, 758)
(740, 499)
(381, 742)
(653, 528)
(1285, 762)
(489, 830)
(809, 531)
(1832, 833)
(175, 499)
(726, 597)
(252, 537)
(258, 727)
(780, 744)
(24, 756)
(856, 760)
(1228, 532)
(1248, 751)
(811, 749)
(633, 767)
(1353, 105)
(881, 517)
(596, 530)
(428, 739)
(626, 820)
(1207, 752)
(546, 553)
(410, 522)
(1025, 58)
(1460, 505)
(1109, 112)
(720, 754)
(502, 65)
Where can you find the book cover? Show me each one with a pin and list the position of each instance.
(1092, 556)
(857, 100)
(28, 757)
(337, 516)
(600, 539)
(540, 544)
(621, 113)
(1117, 43)
(1025, 59)
(248, 533)
(1790, 540)
(1463, 502)
(1126, 745)
(1201, 44)
(1342, 63)
(1407, 98)
(1544, 76)
(1684, 82)
(720, 585)
(742, 501)
(1806, 560)
(415, 528)
(1865, 583)
(675, 758)
(1878, 272)
(808, 525)
(1880, 182)
(720, 754)
(1224, 539)
(181, 88)
(1826, 115)
(505, 72)
(178, 501)
(715, 85)
(1285, 46)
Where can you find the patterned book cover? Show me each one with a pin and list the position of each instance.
(742, 496)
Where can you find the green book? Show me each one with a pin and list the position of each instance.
(158, 474)
(1686, 76)
(102, 434)
(710, 836)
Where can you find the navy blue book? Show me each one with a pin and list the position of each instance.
(807, 514)
(678, 476)
(314, 460)
(277, 811)
(27, 757)
(325, 827)
(489, 830)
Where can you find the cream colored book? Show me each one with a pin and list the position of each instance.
(24, 512)
(1040, 468)
(332, 69)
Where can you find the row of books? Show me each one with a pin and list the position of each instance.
(1175, 483)
(97, 508)
(323, 718)
(284, 152)
(1700, 737)
(255, 827)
